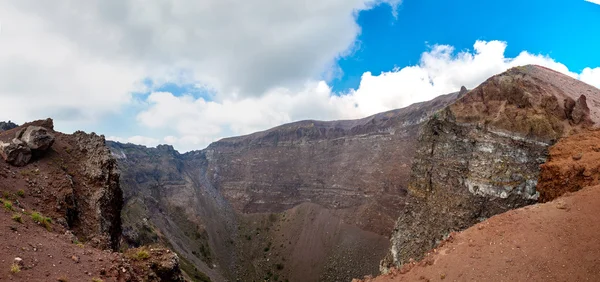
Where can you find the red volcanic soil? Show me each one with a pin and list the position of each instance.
(554, 241)
(48, 256)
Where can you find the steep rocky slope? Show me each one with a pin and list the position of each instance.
(360, 166)
(555, 241)
(228, 210)
(61, 212)
(315, 201)
(480, 156)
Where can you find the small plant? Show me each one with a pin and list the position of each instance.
(21, 193)
(77, 243)
(40, 219)
(8, 205)
(96, 280)
(141, 255)
(5, 194)
(17, 217)
(15, 268)
(37, 217)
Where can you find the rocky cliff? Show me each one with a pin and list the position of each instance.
(555, 241)
(480, 156)
(62, 210)
(315, 201)
(229, 209)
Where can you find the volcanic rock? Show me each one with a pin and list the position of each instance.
(37, 138)
(7, 125)
(15, 153)
(319, 191)
(480, 156)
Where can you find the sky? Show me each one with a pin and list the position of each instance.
(190, 72)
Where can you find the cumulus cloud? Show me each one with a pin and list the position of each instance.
(263, 63)
(594, 1)
(44, 74)
(81, 61)
(441, 70)
(236, 47)
(591, 76)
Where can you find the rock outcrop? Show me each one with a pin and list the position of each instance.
(222, 207)
(66, 202)
(30, 141)
(82, 183)
(480, 156)
(553, 241)
(573, 163)
(37, 138)
(8, 125)
(96, 213)
(16, 152)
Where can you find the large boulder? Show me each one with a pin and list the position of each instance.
(15, 153)
(38, 138)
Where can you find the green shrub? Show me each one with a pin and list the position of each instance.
(15, 268)
(21, 193)
(8, 205)
(40, 219)
(141, 255)
(17, 217)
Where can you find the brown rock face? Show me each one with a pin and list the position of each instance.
(315, 193)
(573, 163)
(151, 264)
(481, 155)
(98, 211)
(358, 167)
(66, 204)
(80, 183)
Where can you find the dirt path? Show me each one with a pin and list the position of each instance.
(555, 241)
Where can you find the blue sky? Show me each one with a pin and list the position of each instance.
(564, 30)
(189, 72)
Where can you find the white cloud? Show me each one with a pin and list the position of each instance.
(594, 1)
(44, 74)
(236, 47)
(79, 61)
(441, 70)
(591, 76)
